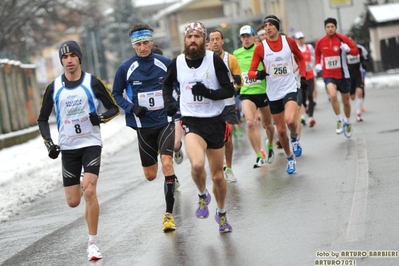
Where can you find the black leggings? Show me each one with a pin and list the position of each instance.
(308, 95)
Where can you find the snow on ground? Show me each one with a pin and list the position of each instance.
(28, 173)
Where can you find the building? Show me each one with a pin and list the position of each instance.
(228, 15)
(384, 36)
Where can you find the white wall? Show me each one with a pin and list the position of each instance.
(308, 16)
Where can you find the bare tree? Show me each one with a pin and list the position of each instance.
(27, 26)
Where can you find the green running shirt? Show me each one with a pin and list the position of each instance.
(250, 86)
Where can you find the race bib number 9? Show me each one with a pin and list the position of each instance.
(248, 81)
(332, 62)
(153, 100)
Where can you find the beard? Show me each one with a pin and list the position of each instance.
(194, 53)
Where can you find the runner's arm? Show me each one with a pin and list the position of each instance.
(257, 57)
(45, 112)
(106, 99)
(168, 83)
(226, 87)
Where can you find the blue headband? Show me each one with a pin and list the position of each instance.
(140, 36)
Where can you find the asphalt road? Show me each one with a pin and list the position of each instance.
(341, 205)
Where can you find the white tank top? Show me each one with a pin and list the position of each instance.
(72, 106)
(281, 70)
(198, 106)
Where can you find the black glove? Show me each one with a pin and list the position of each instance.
(304, 84)
(96, 119)
(237, 79)
(53, 150)
(138, 110)
(261, 74)
(171, 109)
(200, 90)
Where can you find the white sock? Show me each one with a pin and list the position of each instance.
(221, 210)
(92, 239)
(359, 105)
(339, 118)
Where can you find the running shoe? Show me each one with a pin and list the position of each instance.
(179, 155)
(93, 252)
(228, 174)
(347, 130)
(263, 153)
(260, 162)
(340, 128)
(177, 184)
(291, 165)
(202, 212)
(224, 226)
(168, 223)
(238, 132)
(296, 147)
(270, 156)
(303, 121)
(312, 122)
(359, 118)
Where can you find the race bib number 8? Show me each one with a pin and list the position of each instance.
(78, 127)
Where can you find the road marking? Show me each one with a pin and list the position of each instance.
(357, 219)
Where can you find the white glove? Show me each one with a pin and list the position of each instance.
(345, 47)
(318, 68)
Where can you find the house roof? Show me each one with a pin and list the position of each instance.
(172, 8)
(384, 13)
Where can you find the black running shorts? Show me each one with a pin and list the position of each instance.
(73, 160)
(214, 130)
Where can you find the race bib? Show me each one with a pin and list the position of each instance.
(353, 59)
(153, 100)
(309, 65)
(248, 81)
(78, 127)
(195, 100)
(332, 62)
(280, 69)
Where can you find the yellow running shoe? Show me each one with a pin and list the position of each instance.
(168, 223)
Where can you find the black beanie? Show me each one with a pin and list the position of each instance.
(70, 47)
(273, 20)
(351, 35)
(330, 20)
